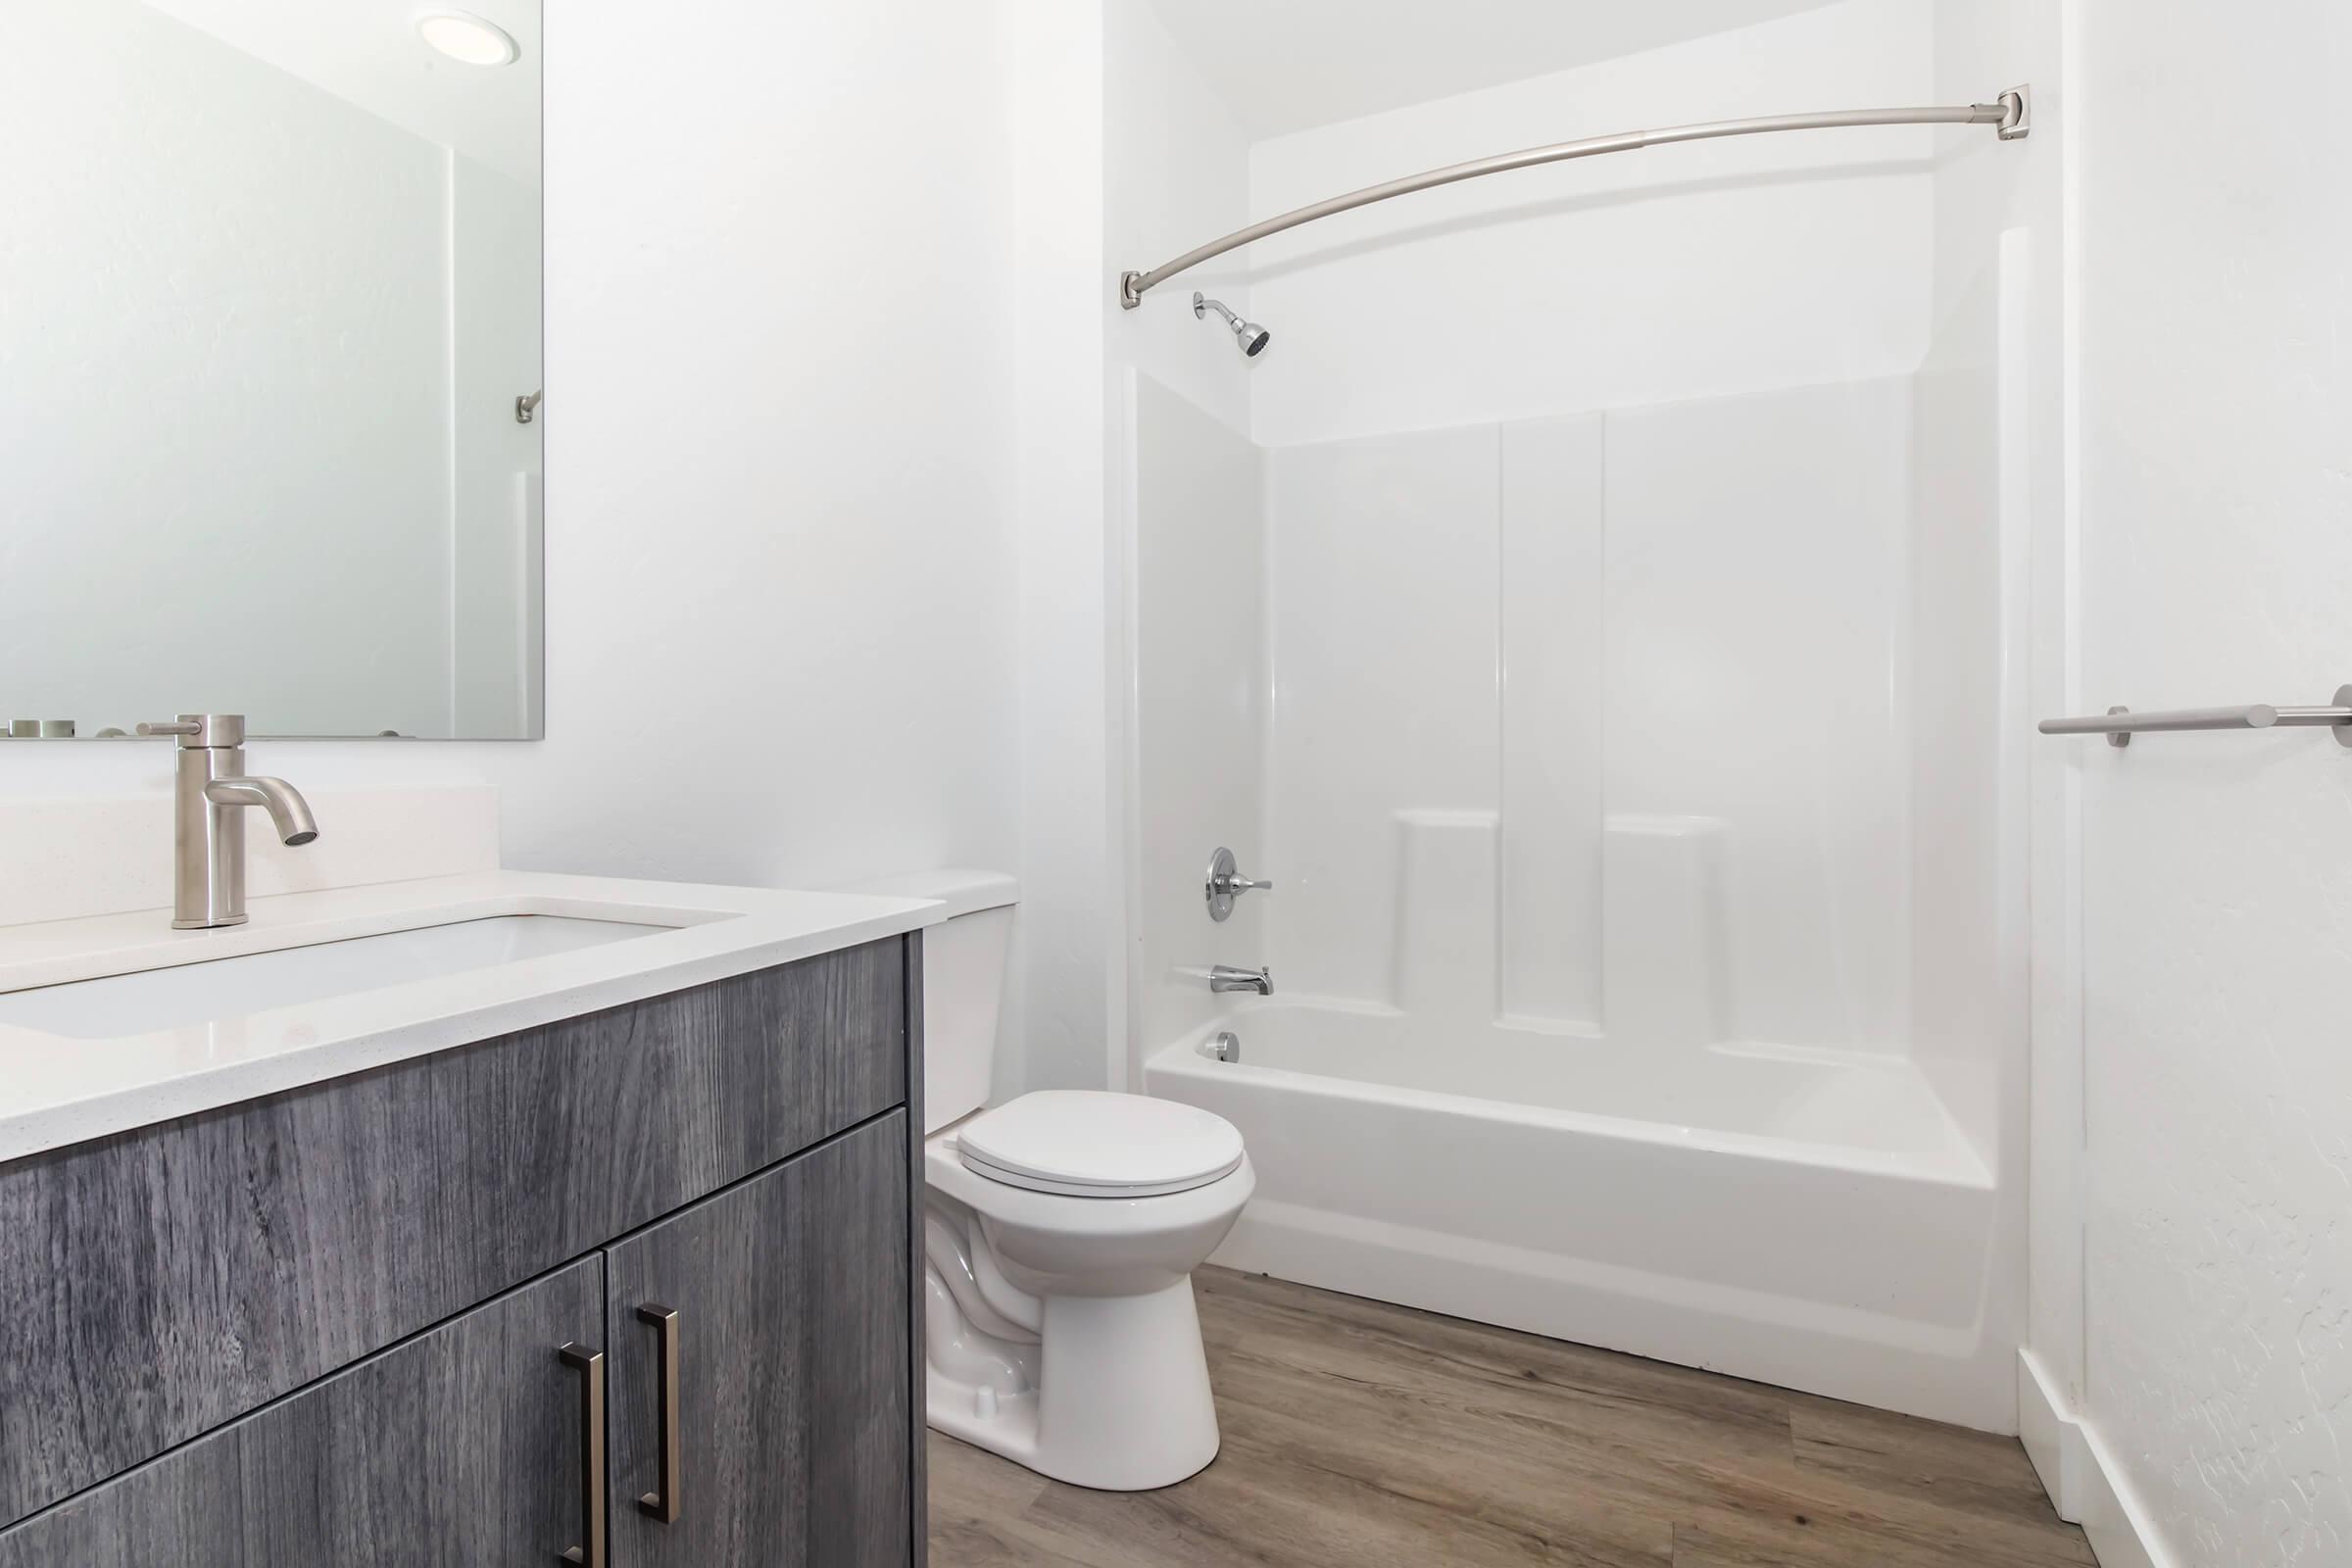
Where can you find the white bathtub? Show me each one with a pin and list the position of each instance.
(1812, 1221)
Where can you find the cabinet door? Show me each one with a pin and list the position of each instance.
(463, 1446)
(795, 1377)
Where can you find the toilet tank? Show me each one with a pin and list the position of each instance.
(966, 958)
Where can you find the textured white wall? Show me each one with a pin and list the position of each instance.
(781, 565)
(2215, 438)
(224, 413)
(1680, 272)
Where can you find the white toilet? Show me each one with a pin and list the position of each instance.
(1062, 1229)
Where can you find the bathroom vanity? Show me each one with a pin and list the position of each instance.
(605, 1255)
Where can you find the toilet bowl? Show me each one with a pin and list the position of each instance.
(1060, 1330)
(1060, 1233)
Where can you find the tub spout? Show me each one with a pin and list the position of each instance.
(1225, 977)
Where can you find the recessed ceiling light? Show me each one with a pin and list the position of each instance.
(468, 39)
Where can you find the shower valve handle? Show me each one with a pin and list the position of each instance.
(1225, 883)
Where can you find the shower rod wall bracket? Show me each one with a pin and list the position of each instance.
(2017, 115)
(2119, 723)
(2011, 116)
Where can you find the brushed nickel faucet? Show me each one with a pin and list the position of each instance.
(1224, 977)
(207, 818)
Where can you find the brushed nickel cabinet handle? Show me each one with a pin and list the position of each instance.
(662, 1506)
(590, 1364)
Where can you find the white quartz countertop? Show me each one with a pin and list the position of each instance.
(56, 1090)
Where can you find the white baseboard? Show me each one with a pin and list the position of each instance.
(2052, 1436)
(2078, 1470)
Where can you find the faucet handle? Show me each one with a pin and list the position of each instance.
(1226, 883)
(202, 731)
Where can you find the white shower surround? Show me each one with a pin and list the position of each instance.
(1621, 996)
(1643, 784)
(1592, 725)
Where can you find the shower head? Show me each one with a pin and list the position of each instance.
(1252, 337)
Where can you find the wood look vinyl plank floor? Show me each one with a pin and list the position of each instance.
(1373, 1435)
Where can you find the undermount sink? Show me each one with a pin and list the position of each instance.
(227, 987)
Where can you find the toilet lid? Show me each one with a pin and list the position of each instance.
(1092, 1144)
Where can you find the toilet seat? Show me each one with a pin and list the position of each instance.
(1095, 1143)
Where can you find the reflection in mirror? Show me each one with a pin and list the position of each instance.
(269, 295)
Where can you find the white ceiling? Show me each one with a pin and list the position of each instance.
(367, 52)
(1288, 64)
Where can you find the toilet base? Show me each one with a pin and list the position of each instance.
(1123, 1403)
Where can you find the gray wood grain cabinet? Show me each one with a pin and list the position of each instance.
(459, 1447)
(790, 1434)
(325, 1328)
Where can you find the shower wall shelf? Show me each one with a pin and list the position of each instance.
(2011, 116)
(2120, 724)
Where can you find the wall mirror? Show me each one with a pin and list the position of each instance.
(270, 366)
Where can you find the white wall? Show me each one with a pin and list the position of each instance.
(1176, 172)
(2215, 432)
(781, 480)
(1680, 272)
(1308, 63)
(1057, 1032)
(224, 413)
(367, 52)
(781, 562)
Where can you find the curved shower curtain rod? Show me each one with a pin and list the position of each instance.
(2011, 113)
